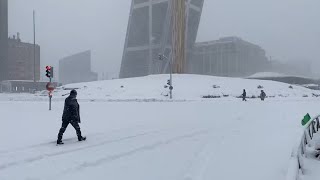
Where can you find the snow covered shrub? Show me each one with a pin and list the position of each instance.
(315, 95)
(165, 94)
(211, 96)
(260, 87)
(215, 86)
(280, 95)
(290, 87)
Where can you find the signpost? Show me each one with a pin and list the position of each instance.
(162, 57)
(305, 119)
(50, 87)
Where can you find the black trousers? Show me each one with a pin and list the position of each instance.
(64, 127)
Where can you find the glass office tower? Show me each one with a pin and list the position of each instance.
(149, 34)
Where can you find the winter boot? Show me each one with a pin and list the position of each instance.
(59, 142)
(81, 138)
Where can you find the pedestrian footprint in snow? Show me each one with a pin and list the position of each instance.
(262, 95)
(244, 95)
(71, 115)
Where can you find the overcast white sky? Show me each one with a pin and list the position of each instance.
(286, 29)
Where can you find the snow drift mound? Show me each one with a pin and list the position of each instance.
(186, 87)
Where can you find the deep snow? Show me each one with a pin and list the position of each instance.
(173, 140)
(186, 87)
(185, 139)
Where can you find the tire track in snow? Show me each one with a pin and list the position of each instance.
(141, 149)
(15, 150)
(43, 156)
(45, 144)
(200, 164)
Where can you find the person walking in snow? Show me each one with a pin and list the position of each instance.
(262, 95)
(244, 95)
(71, 115)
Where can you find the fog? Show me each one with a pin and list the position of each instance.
(287, 29)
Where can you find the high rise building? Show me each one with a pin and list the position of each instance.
(21, 64)
(229, 56)
(3, 38)
(76, 68)
(149, 34)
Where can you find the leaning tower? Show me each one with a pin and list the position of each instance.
(152, 24)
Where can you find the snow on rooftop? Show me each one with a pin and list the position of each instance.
(267, 74)
(275, 75)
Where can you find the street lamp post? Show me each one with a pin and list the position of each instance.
(34, 46)
(162, 57)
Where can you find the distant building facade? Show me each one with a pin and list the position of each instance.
(293, 68)
(149, 34)
(230, 56)
(3, 38)
(23, 86)
(21, 64)
(76, 68)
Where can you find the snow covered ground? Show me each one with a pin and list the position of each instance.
(312, 162)
(185, 139)
(186, 87)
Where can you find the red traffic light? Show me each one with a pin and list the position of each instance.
(49, 71)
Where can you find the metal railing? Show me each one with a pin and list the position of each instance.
(296, 166)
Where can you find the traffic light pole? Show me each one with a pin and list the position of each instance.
(50, 87)
(50, 96)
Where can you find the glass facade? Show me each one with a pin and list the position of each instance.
(149, 34)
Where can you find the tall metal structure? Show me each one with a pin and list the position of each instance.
(3, 38)
(178, 36)
(150, 30)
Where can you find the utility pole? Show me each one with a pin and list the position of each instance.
(34, 46)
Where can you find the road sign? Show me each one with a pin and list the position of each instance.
(50, 86)
(305, 119)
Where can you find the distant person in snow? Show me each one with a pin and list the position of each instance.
(262, 95)
(244, 95)
(71, 114)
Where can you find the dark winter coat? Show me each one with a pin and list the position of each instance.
(263, 95)
(244, 94)
(71, 112)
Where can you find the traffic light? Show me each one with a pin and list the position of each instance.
(48, 71)
(168, 82)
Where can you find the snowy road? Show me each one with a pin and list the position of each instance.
(223, 140)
